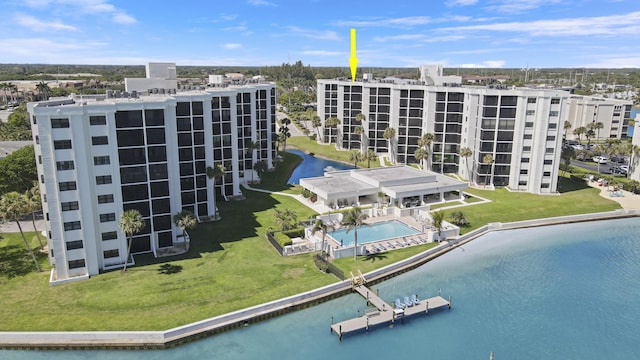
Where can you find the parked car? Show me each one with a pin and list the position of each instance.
(625, 168)
(600, 159)
(577, 147)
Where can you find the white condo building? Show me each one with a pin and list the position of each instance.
(613, 114)
(520, 128)
(98, 156)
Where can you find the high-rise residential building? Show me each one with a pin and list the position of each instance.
(98, 156)
(520, 128)
(611, 113)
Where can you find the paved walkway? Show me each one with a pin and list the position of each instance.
(629, 201)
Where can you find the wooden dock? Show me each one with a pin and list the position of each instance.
(384, 312)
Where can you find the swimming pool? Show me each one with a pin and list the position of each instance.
(374, 232)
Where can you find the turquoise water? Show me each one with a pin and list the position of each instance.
(561, 292)
(371, 233)
(312, 166)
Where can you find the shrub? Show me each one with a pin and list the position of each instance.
(282, 239)
(297, 232)
(458, 218)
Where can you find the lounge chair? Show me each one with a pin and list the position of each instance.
(399, 305)
(372, 250)
(415, 241)
(398, 243)
(390, 245)
(414, 299)
(407, 301)
(423, 240)
(381, 247)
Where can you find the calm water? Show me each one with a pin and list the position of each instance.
(375, 232)
(312, 166)
(561, 292)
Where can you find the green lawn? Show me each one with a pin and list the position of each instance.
(325, 150)
(376, 261)
(276, 180)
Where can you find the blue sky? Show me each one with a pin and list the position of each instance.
(456, 33)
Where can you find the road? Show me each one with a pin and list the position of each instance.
(604, 168)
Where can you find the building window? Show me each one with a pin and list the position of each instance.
(553, 113)
(67, 185)
(528, 136)
(553, 125)
(103, 199)
(531, 112)
(551, 138)
(59, 123)
(72, 225)
(548, 162)
(103, 179)
(528, 124)
(97, 120)
(522, 183)
(65, 165)
(549, 150)
(546, 173)
(531, 100)
(544, 186)
(107, 217)
(525, 160)
(72, 245)
(526, 148)
(555, 101)
(111, 235)
(524, 171)
(74, 264)
(99, 140)
(68, 206)
(111, 253)
(61, 144)
(101, 160)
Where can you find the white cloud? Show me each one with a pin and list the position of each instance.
(402, 22)
(477, 51)
(446, 38)
(322, 53)
(42, 25)
(261, 3)
(461, 2)
(616, 61)
(122, 18)
(314, 34)
(519, 6)
(485, 64)
(232, 46)
(584, 26)
(399, 37)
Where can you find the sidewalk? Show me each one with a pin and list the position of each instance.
(629, 201)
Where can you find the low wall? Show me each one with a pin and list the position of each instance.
(182, 334)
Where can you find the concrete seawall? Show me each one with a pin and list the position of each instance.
(240, 318)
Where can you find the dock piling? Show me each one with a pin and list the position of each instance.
(449, 302)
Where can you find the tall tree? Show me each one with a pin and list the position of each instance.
(216, 173)
(466, 153)
(487, 159)
(421, 154)
(425, 141)
(319, 225)
(355, 156)
(438, 218)
(43, 90)
(34, 204)
(597, 126)
(353, 219)
(286, 219)
(131, 223)
(359, 130)
(316, 122)
(566, 127)
(331, 123)
(249, 147)
(283, 136)
(12, 207)
(260, 167)
(579, 131)
(18, 170)
(390, 134)
(370, 156)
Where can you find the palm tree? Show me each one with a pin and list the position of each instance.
(370, 156)
(359, 130)
(437, 218)
(352, 219)
(43, 90)
(249, 147)
(286, 219)
(331, 123)
(355, 156)
(32, 201)
(381, 196)
(185, 220)
(466, 153)
(131, 223)
(421, 154)
(319, 225)
(360, 117)
(260, 167)
(634, 151)
(4, 87)
(216, 172)
(12, 207)
(487, 159)
(597, 126)
(425, 141)
(316, 122)
(579, 131)
(390, 134)
(283, 136)
(566, 127)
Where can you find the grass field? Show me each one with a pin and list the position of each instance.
(325, 150)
